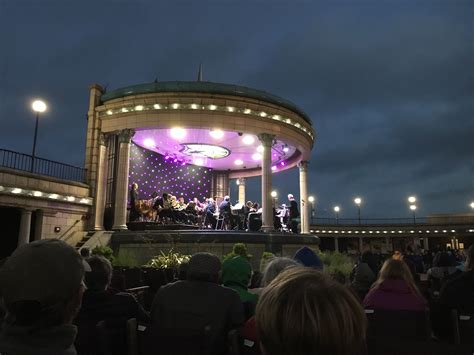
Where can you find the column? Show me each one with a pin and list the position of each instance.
(25, 227)
(39, 214)
(241, 190)
(336, 244)
(267, 212)
(361, 243)
(121, 191)
(305, 219)
(99, 198)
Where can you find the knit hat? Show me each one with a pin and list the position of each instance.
(204, 264)
(46, 271)
(308, 258)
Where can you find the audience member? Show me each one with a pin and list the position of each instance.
(304, 311)
(41, 286)
(395, 289)
(363, 275)
(307, 257)
(198, 303)
(444, 267)
(236, 274)
(100, 303)
(85, 252)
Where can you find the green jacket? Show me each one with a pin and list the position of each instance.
(236, 274)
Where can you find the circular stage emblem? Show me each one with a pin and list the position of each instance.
(205, 150)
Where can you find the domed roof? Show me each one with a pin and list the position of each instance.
(204, 87)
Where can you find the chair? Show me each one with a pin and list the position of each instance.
(222, 222)
(398, 324)
(463, 327)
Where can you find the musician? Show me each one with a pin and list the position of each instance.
(134, 213)
(209, 211)
(294, 214)
(225, 210)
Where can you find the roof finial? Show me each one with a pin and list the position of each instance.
(199, 78)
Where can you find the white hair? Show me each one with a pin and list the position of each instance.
(290, 197)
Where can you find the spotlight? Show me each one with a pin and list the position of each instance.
(260, 149)
(238, 162)
(257, 156)
(178, 133)
(285, 148)
(248, 140)
(282, 163)
(149, 143)
(216, 134)
(198, 161)
(274, 167)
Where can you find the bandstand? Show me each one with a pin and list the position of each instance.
(192, 137)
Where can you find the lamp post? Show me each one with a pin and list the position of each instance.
(311, 200)
(358, 201)
(336, 210)
(274, 195)
(413, 208)
(39, 107)
(472, 205)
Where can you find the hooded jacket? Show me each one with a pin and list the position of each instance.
(236, 274)
(308, 258)
(394, 295)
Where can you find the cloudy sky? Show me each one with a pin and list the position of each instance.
(388, 84)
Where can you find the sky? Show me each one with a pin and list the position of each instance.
(388, 84)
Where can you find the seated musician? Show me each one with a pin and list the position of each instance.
(162, 205)
(191, 212)
(209, 213)
(177, 209)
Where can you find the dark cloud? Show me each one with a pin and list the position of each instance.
(389, 84)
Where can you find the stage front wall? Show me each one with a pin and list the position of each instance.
(152, 172)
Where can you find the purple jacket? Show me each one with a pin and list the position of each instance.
(394, 295)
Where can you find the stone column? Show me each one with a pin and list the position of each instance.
(305, 218)
(121, 191)
(361, 243)
(267, 212)
(99, 198)
(336, 244)
(39, 225)
(242, 190)
(25, 227)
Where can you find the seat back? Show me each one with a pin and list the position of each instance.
(463, 327)
(112, 337)
(398, 324)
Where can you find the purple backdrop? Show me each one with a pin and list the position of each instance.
(152, 172)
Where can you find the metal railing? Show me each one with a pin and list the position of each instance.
(393, 221)
(25, 162)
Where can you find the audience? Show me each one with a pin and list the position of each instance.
(41, 285)
(363, 275)
(395, 289)
(199, 303)
(100, 303)
(236, 274)
(304, 311)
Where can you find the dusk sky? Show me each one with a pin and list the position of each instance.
(388, 84)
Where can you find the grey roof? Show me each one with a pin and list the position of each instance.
(204, 87)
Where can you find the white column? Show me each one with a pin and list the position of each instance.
(242, 190)
(336, 244)
(121, 191)
(267, 212)
(305, 218)
(39, 214)
(99, 198)
(25, 227)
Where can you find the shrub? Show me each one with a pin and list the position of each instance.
(239, 249)
(266, 257)
(337, 264)
(126, 259)
(105, 251)
(168, 261)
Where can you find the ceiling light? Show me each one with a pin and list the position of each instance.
(238, 162)
(139, 108)
(248, 139)
(230, 108)
(16, 191)
(274, 167)
(263, 114)
(156, 106)
(194, 106)
(216, 134)
(285, 148)
(177, 133)
(53, 196)
(37, 193)
(247, 111)
(212, 107)
(260, 149)
(109, 112)
(71, 198)
(124, 109)
(175, 106)
(257, 156)
(198, 161)
(149, 143)
(277, 117)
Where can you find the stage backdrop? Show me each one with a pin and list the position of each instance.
(152, 172)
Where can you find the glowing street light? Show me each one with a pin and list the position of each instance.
(412, 199)
(38, 106)
(472, 205)
(337, 209)
(358, 202)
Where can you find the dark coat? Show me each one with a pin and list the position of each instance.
(394, 295)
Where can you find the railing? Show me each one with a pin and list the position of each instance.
(24, 162)
(393, 221)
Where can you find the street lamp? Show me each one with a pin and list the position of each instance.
(472, 205)
(337, 209)
(274, 194)
(311, 200)
(412, 199)
(358, 201)
(413, 208)
(38, 106)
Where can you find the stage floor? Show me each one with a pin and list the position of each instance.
(145, 244)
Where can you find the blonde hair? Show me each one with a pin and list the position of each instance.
(304, 311)
(394, 269)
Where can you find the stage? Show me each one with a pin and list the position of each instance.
(145, 244)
